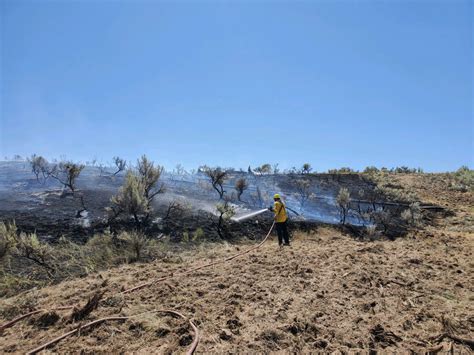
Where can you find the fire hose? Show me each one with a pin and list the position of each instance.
(195, 342)
(190, 351)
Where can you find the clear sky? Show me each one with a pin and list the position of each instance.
(233, 83)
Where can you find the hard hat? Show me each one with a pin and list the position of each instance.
(276, 196)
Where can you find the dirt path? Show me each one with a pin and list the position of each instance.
(326, 292)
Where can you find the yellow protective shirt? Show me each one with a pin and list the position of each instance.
(280, 212)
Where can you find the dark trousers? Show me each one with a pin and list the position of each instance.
(282, 232)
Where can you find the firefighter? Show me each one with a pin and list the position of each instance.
(281, 219)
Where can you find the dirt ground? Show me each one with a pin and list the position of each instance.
(326, 293)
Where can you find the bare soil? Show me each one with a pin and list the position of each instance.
(327, 292)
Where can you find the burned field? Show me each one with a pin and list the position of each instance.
(188, 202)
(396, 287)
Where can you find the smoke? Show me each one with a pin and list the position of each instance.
(195, 192)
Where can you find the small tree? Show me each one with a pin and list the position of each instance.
(306, 168)
(240, 186)
(180, 170)
(67, 173)
(138, 191)
(39, 165)
(225, 213)
(276, 169)
(150, 175)
(120, 164)
(343, 200)
(131, 199)
(383, 218)
(102, 169)
(303, 191)
(264, 169)
(217, 176)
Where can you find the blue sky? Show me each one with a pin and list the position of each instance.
(333, 83)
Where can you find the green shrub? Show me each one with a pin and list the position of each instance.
(463, 179)
(343, 170)
(100, 251)
(7, 238)
(412, 215)
(136, 243)
(198, 234)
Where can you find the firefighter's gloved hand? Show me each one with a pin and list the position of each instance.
(270, 208)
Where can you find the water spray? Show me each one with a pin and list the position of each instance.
(249, 215)
(259, 212)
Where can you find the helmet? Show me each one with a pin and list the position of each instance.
(276, 196)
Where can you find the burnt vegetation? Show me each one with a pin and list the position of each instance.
(217, 177)
(39, 167)
(240, 186)
(120, 164)
(372, 204)
(66, 173)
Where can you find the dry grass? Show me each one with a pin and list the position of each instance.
(327, 292)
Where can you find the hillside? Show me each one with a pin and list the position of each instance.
(327, 292)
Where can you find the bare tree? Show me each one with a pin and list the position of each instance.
(174, 209)
(303, 191)
(383, 218)
(217, 176)
(259, 198)
(276, 169)
(39, 165)
(67, 173)
(180, 170)
(343, 200)
(240, 186)
(102, 168)
(120, 164)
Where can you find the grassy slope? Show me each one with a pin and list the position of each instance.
(326, 292)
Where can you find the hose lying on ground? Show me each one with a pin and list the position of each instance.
(136, 288)
(189, 271)
(190, 351)
(26, 315)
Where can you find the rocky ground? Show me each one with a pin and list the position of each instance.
(328, 292)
